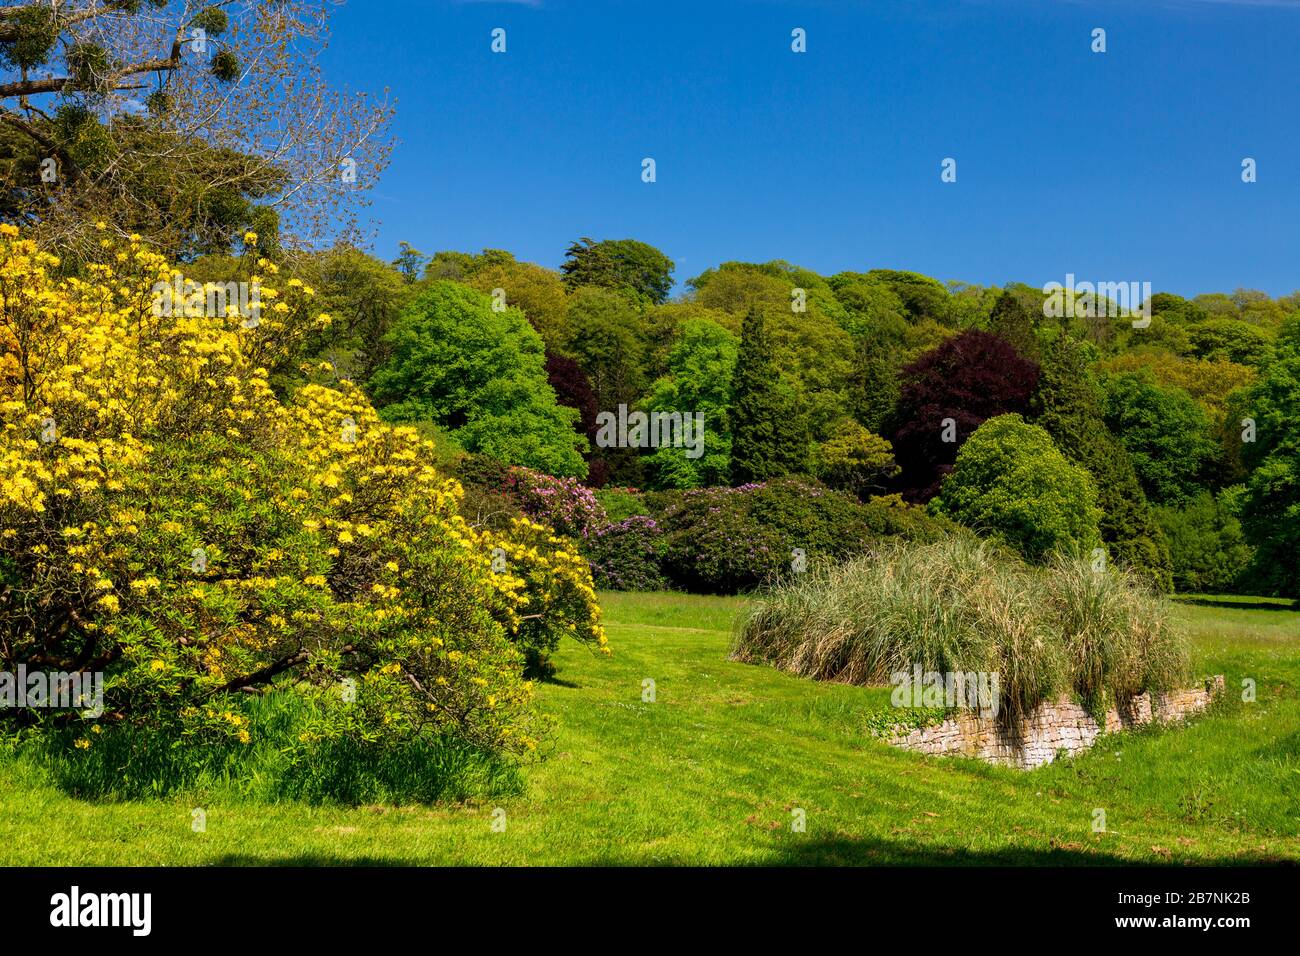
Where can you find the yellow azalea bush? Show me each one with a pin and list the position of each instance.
(549, 584)
(168, 520)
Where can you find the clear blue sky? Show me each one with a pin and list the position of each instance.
(1123, 166)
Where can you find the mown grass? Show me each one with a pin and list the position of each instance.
(710, 772)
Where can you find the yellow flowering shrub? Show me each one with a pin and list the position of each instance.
(168, 520)
(549, 588)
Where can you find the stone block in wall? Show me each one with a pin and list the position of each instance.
(1051, 727)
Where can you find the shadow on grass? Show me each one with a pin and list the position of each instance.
(309, 859)
(1278, 604)
(827, 852)
(560, 682)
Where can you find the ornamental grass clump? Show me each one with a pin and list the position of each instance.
(965, 605)
(1119, 641)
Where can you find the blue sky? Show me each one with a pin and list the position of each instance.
(1122, 166)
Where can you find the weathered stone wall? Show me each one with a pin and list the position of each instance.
(1050, 728)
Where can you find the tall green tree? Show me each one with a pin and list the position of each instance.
(364, 297)
(769, 436)
(624, 265)
(803, 322)
(534, 289)
(479, 373)
(874, 384)
(700, 368)
(1167, 433)
(1013, 322)
(410, 262)
(1067, 403)
(604, 336)
(1270, 508)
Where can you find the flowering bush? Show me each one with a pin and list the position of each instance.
(724, 540)
(625, 556)
(712, 544)
(166, 520)
(550, 592)
(564, 504)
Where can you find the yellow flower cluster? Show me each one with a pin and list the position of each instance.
(155, 490)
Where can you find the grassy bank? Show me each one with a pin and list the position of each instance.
(710, 772)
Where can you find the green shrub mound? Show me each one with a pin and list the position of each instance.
(962, 605)
(1013, 484)
(727, 540)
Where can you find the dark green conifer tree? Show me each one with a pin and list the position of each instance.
(769, 432)
(873, 383)
(1067, 403)
(1013, 322)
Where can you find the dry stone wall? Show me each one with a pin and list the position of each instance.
(1051, 728)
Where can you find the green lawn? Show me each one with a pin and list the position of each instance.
(710, 773)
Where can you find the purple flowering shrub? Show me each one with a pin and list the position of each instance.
(707, 540)
(625, 555)
(712, 545)
(565, 504)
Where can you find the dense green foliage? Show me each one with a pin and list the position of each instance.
(1068, 405)
(803, 321)
(1011, 320)
(1165, 431)
(768, 435)
(853, 459)
(621, 264)
(724, 540)
(698, 380)
(1271, 504)
(870, 382)
(1207, 546)
(874, 388)
(480, 373)
(1013, 484)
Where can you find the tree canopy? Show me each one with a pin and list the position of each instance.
(624, 265)
(1012, 482)
(188, 124)
(479, 373)
(949, 392)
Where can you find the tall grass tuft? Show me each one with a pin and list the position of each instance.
(129, 763)
(961, 604)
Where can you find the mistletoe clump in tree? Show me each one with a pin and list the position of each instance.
(183, 123)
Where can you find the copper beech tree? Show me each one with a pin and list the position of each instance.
(184, 122)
